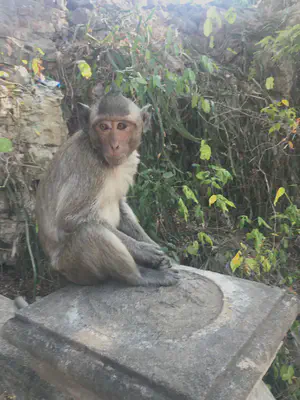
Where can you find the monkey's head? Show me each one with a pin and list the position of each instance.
(116, 125)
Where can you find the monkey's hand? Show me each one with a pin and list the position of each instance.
(151, 255)
(144, 253)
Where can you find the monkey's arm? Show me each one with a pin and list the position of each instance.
(144, 253)
(130, 226)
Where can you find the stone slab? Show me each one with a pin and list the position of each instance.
(261, 392)
(210, 337)
(17, 377)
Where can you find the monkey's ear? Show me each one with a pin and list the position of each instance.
(84, 115)
(146, 117)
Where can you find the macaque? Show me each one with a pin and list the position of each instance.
(85, 225)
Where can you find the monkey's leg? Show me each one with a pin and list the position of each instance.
(129, 225)
(145, 254)
(93, 253)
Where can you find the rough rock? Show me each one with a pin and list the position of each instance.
(26, 25)
(33, 121)
(73, 4)
(210, 337)
(81, 16)
(17, 378)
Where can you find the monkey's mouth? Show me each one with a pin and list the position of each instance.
(114, 160)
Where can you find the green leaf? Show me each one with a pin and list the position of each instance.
(207, 64)
(40, 51)
(280, 192)
(283, 370)
(212, 200)
(170, 86)
(192, 76)
(262, 222)
(205, 151)
(212, 12)
(205, 105)
(266, 264)
(195, 100)
(199, 212)
(203, 237)
(170, 36)
(226, 201)
(287, 373)
(189, 74)
(119, 79)
(212, 42)
(5, 145)
(270, 83)
(141, 80)
(183, 131)
(168, 175)
(156, 81)
(35, 65)
(183, 209)
(275, 127)
(4, 74)
(207, 27)
(216, 185)
(230, 15)
(231, 50)
(230, 203)
(148, 55)
(189, 194)
(222, 174)
(84, 69)
(236, 261)
(258, 238)
(252, 264)
(193, 248)
(243, 220)
(202, 175)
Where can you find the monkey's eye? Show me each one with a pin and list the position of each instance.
(121, 126)
(103, 127)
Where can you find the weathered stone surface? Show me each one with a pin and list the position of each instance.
(210, 337)
(261, 392)
(17, 378)
(34, 122)
(39, 118)
(81, 16)
(28, 23)
(73, 4)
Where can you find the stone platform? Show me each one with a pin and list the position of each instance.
(211, 337)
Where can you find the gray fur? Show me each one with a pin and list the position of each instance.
(85, 225)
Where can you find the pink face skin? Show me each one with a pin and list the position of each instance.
(116, 138)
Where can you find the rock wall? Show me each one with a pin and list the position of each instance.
(33, 121)
(26, 25)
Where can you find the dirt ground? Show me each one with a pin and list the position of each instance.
(12, 284)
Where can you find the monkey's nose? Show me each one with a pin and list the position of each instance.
(115, 146)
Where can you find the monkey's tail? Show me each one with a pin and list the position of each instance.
(20, 302)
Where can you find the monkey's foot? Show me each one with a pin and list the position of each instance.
(164, 277)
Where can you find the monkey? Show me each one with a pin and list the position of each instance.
(85, 225)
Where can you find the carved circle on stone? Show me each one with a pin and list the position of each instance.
(168, 313)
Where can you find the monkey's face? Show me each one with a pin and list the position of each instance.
(118, 138)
